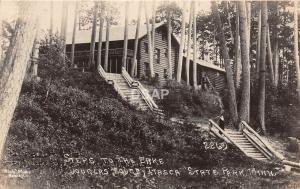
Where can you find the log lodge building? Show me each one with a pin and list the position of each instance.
(214, 73)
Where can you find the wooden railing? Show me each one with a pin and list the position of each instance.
(104, 75)
(116, 51)
(264, 147)
(102, 72)
(128, 78)
(214, 128)
(144, 92)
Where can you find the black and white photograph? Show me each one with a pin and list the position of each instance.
(149, 94)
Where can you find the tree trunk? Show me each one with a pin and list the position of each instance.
(248, 10)
(187, 62)
(258, 43)
(64, 28)
(229, 23)
(153, 24)
(169, 45)
(245, 99)
(237, 50)
(107, 44)
(74, 34)
(100, 36)
(195, 83)
(270, 56)
(296, 49)
(229, 75)
(262, 69)
(16, 60)
(35, 53)
(136, 40)
(276, 50)
(51, 22)
(1, 34)
(93, 37)
(124, 59)
(179, 64)
(149, 42)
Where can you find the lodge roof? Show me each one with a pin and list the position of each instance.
(116, 33)
(207, 64)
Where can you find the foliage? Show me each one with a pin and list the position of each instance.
(184, 101)
(282, 110)
(110, 12)
(175, 14)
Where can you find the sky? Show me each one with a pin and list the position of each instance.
(9, 11)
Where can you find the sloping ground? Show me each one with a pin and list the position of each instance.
(78, 115)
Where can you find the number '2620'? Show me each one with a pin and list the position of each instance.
(215, 145)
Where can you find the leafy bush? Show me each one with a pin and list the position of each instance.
(185, 101)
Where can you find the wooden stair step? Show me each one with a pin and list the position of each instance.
(262, 159)
(245, 146)
(244, 143)
(236, 136)
(253, 150)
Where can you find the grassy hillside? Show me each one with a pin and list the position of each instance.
(75, 113)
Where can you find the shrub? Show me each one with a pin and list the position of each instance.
(185, 101)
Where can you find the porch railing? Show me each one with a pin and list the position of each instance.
(116, 51)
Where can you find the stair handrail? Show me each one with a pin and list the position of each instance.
(103, 74)
(268, 146)
(128, 78)
(261, 147)
(213, 124)
(150, 102)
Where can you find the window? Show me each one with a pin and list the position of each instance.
(163, 37)
(166, 52)
(165, 73)
(156, 75)
(147, 69)
(146, 47)
(157, 55)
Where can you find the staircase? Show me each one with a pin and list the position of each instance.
(130, 94)
(130, 90)
(245, 145)
(251, 144)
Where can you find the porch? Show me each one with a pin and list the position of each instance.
(81, 59)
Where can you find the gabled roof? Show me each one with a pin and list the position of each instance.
(207, 64)
(116, 33)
